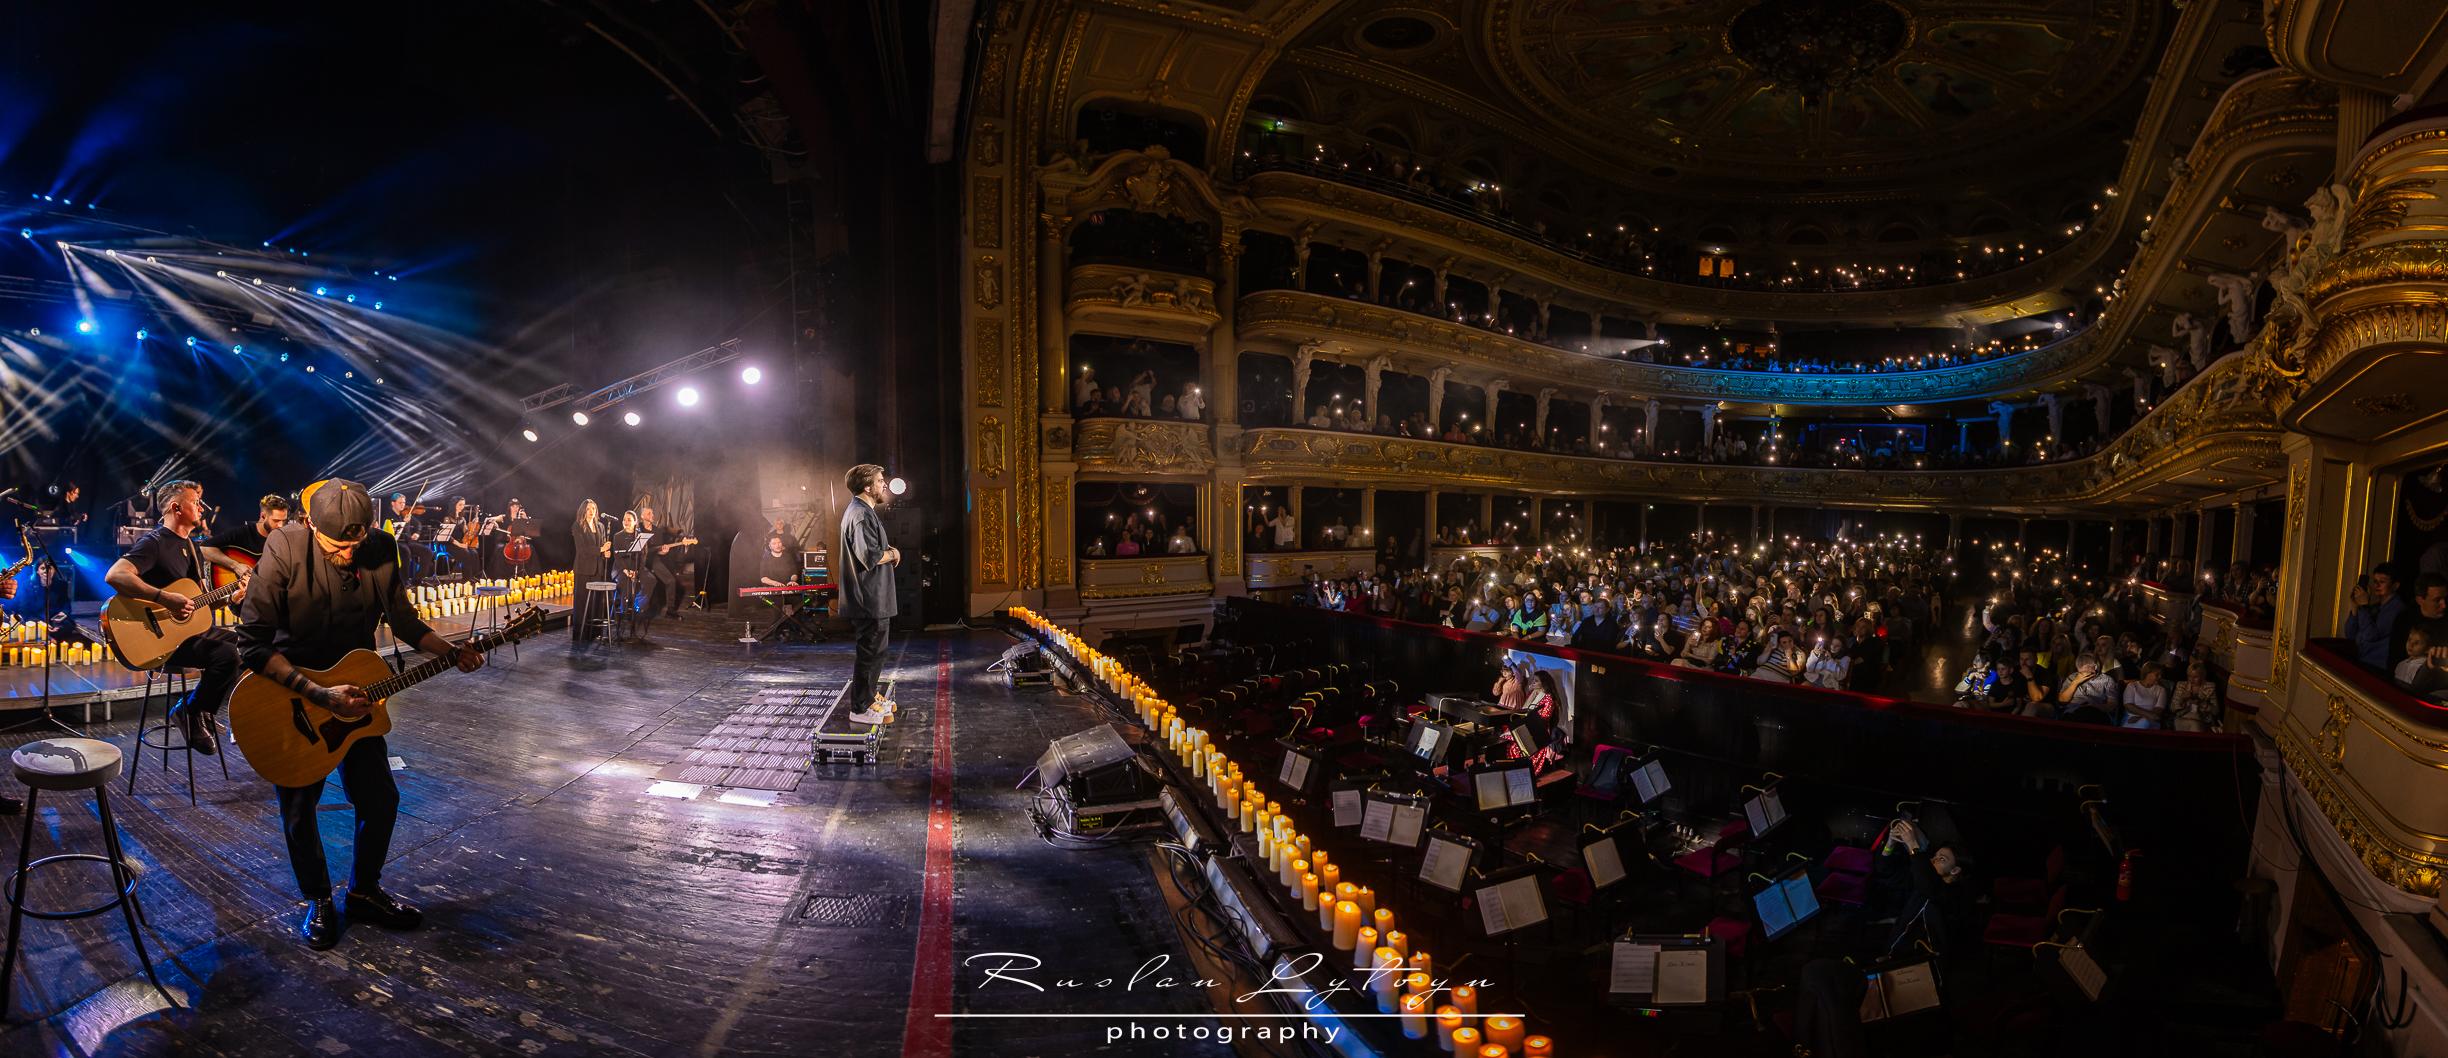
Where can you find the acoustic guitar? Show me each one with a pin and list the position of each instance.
(222, 578)
(293, 742)
(144, 634)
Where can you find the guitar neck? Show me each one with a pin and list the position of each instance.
(432, 667)
(214, 597)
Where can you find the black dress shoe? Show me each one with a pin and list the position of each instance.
(321, 926)
(378, 908)
(202, 734)
(10, 806)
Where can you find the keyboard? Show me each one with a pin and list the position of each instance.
(762, 591)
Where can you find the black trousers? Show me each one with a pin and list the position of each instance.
(663, 593)
(215, 655)
(871, 635)
(365, 775)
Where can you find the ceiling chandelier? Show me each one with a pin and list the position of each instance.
(1814, 47)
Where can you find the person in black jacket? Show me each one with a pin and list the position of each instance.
(317, 595)
(868, 595)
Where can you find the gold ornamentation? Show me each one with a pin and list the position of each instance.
(987, 341)
(2299, 486)
(2342, 334)
(2414, 870)
(986, 210)
(994, 530)
(989, 149)
(2333, 733)
(2282, 658)
(2390, 404)
(1152, 573)
(991, 89)
(1058, 560)
(990, 447)
(1151, 446)
(989, 283)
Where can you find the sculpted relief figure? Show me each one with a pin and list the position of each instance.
(2235, 295)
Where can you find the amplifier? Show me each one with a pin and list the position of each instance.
(1094, 767)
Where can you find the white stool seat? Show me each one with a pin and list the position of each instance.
(602, 585)
(66, 764)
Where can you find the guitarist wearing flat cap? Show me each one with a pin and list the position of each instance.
(318, 593)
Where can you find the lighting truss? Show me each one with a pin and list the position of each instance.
(635, 385)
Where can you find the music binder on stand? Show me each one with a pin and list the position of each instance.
(1667, 973)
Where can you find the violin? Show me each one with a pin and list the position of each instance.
(471, 525)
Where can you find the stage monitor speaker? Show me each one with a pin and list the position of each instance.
(1093, 767)
(905, 527)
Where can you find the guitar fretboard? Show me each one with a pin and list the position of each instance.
(432, 667)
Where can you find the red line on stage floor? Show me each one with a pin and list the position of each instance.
(924, 1032)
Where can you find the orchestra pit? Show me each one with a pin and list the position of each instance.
(1612, 528)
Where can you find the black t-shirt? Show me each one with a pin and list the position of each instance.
(783, 567)
(241, 537)
(162, 557)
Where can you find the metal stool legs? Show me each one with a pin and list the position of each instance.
(123, 884)
(171, 684)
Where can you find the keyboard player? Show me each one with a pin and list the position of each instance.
(778, 567)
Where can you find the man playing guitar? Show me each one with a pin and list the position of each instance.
(165, 555)
(318, 593)
(658, 563)
(246, 539)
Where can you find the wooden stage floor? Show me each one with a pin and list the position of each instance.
(570, 911)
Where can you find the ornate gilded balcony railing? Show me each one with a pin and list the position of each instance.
(1142, 446)
(2374, 758)
(1145, 577)
(1144, 301)
(2260, 117)
(1296, 316)
(2219, 428)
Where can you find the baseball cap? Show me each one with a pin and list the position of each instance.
(339, 508)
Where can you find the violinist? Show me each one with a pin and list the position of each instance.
(416, 543)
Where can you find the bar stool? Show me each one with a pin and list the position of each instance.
(157, 735)
(590, 593)
(65, 765)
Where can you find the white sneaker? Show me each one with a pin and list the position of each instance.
(869, 717)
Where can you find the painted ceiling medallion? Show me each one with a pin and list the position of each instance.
(1812, 47)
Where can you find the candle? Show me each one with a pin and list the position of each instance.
(1417, 983)
(1309, 892)
(1317, 860)
(1346, 924)
(1385, 978)
(1419, 959)
(1348, 891)
(1401, 942)
(1538, 1047)
(1249, 814)
(1293, 870)
(1466, 999)
(1495, 1050)
(1383, 919)
(1367, 899)
(1448, 1021)
(1365, 948)
(1266, 839)
(1505, 1032)
(1329, 874)
(1232, 804)
(1415, 1016)
(1465, 1041)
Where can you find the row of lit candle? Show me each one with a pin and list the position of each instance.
(1348, 912)
(53, 653)
(450, 600)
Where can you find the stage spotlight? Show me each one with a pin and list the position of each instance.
(190, 343)
(86, 327)
(322, 292)
(578, 417)
(220, 274)
(687, 396)
(896, 486)
(632, 418)
(378, 306)
(529, 433)
(751, 375)
(352, 299)
(141, 335)
(26, 232)
(241, 349)
(309, 367)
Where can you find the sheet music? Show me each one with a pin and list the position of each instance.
(1295, 773)
(1426, 749)
(1603, 861)
(1633, 971)
(1511, 905)
(1910, 988)
(1682, 976)
(1346, 807)
(1408, 819)
(2085, 970)
(1650, 781)
(1445, 864)
(1490, 786)
(1378, 822)
(1521, 786)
